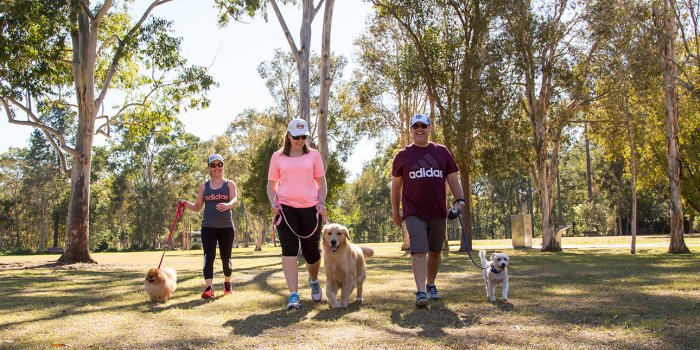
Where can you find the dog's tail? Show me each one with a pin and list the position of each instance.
(170, 272)
(367, 252)
(482, 256)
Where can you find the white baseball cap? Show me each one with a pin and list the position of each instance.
(214, 157)
(420, 118)
(298, 127)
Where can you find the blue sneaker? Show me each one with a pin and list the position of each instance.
(421, 299)
(316, 293)
(432, 292)
(294, 302)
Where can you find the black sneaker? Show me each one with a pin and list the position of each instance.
(433, 292)
(227, 288)
(421, 299)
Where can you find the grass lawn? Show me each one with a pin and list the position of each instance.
(594, 295)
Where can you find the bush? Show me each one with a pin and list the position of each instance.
(102, 246)
(591, 216)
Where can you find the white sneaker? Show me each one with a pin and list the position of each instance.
(316, 293)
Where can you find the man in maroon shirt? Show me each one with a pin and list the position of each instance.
(419, 172)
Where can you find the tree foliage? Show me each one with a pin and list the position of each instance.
(525, 93)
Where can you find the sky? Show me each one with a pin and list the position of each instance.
(233, 54)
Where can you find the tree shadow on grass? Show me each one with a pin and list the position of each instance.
(254, 325)
(337, 313)
(255, 256)
(504, 305)
(259, 279)
(595, 290)
(189, 304)
(432, 320)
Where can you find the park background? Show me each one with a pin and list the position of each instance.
(559, 109)
(583, 113)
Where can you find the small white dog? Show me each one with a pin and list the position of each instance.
(495, 273)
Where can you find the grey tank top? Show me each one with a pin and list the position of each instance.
(212, 217)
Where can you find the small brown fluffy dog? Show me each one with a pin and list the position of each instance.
(344, 263)
(160, 284)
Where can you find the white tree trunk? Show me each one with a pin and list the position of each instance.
(666, 31)
(633, 183)
(302, 53)
(538, 116)
(325, 81)
(76, 245)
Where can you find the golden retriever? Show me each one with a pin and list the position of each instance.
(344, 263)
(160, 284)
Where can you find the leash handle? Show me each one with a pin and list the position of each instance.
(180, 210)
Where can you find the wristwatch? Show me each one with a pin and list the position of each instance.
(459, 201)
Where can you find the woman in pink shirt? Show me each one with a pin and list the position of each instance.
(296, 189)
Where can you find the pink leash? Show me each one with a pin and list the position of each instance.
(278, 219)
(180, 209)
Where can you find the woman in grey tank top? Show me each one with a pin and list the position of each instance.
(217, 196)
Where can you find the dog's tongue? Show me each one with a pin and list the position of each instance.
(334, 248)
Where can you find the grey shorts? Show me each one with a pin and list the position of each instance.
(426, 236)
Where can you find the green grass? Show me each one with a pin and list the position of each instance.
(594, 295)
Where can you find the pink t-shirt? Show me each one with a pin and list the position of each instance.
(295, 176)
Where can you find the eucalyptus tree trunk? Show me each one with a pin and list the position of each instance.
(76, 245)
(588, 167)
(302, 53)
(539, 62)
(633, 185)
(325, 81)
(84, 41)
(538, 116)
(633, 179)
(664, 18)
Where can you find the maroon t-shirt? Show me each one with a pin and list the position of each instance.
(424, 171)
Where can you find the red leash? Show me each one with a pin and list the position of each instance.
(277, 219)
(180, 209)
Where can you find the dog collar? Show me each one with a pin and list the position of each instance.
(493, 269)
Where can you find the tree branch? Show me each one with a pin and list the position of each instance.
(35, 122)
(98, 17)
(61, 156)
(86, 8)
(120, 50)
(105, 125)
(431, 84)
(109, 40)
(318, 7)
(287, 34)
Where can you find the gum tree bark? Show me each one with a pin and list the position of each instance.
(665, 23)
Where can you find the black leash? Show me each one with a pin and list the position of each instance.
(464, 236)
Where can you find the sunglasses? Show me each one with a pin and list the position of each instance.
(214, 165)
(419, 125)
(300, 137)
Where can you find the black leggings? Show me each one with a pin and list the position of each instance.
(210, 236)
(302, 221)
